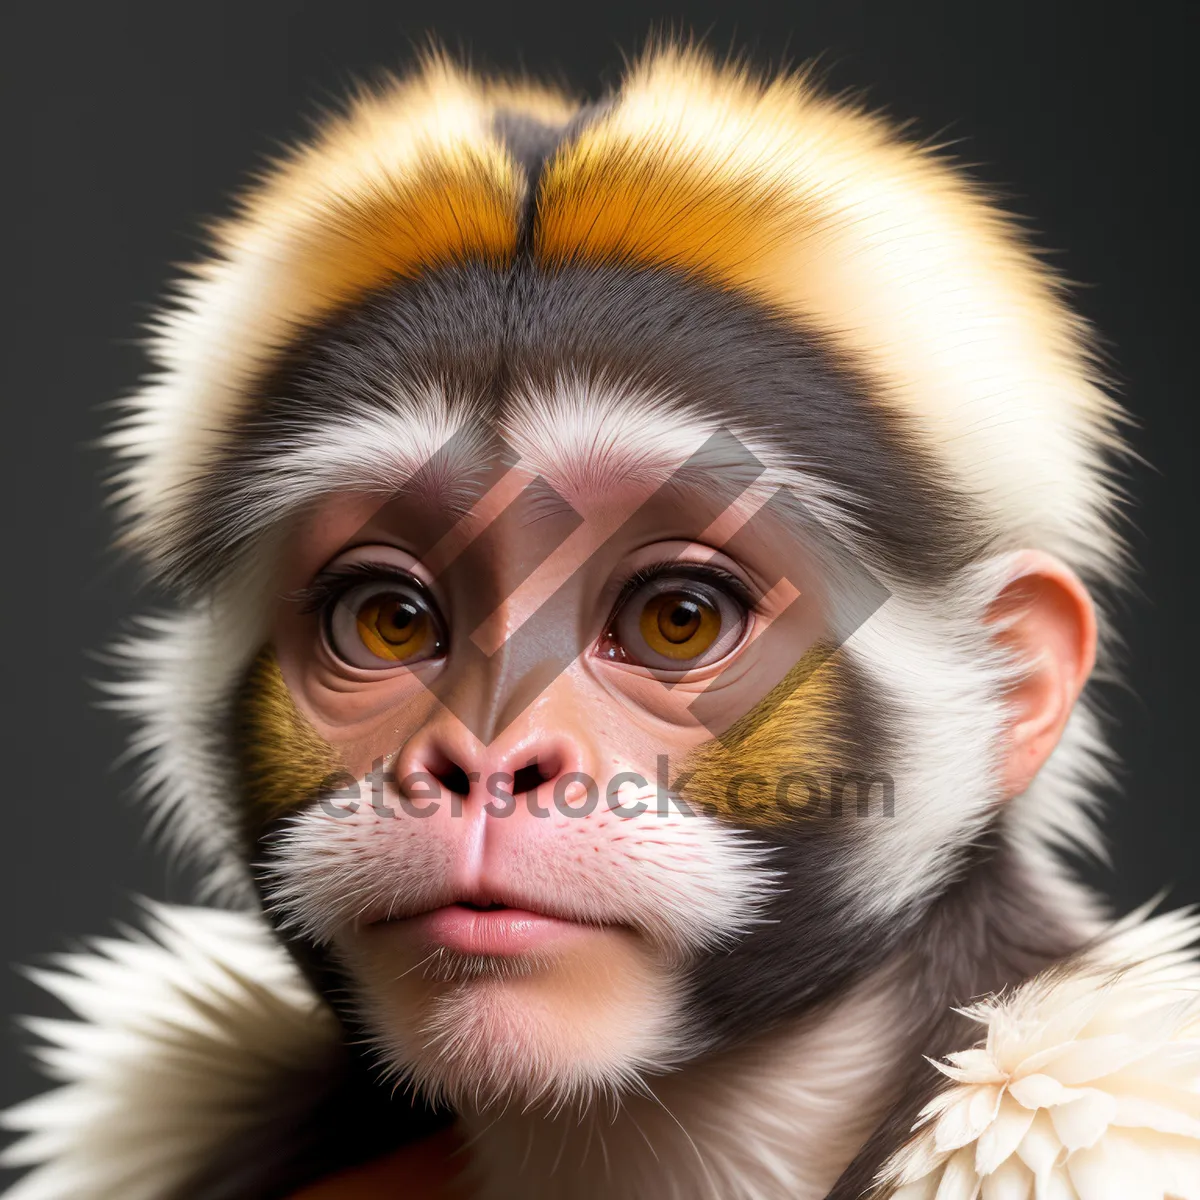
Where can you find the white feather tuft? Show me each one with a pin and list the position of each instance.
(186, 1039)
(1086, 1088)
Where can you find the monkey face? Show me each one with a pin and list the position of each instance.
(512, 868)
(575, 725)
(572, 735)
(585, 524)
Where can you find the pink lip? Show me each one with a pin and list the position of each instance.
(503, 931)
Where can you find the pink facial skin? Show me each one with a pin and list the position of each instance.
(600, 909)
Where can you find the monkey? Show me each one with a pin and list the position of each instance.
(641, 569)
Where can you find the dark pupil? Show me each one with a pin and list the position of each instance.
(399, 615)
(680, 622)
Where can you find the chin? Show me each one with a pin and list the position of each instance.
(575, 1021)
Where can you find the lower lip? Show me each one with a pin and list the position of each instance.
(501, 931)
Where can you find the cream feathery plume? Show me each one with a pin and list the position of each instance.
(195, 1032)
(1087, 1086)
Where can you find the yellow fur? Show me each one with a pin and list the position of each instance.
(791, 735)
(408, 179)
(801, 202)
(283, 761)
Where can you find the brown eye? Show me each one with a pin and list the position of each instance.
(678, 626)
(675, 625)
(384, 624)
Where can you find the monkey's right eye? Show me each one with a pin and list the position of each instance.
(384, 623)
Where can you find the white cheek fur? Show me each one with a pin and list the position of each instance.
(686, 881)
(573, 1027)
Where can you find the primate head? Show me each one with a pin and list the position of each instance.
(633, 563)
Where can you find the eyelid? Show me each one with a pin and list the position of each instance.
(675, 575)
(334, 582)
(342, 590)
(681, 569)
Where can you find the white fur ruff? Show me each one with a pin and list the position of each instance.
(185, 1040)
(1086, 1088)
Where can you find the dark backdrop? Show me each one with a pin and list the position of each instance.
(126, 123)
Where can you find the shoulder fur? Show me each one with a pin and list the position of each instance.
(198, 1037)
(1086, 1087)
(187, 1041)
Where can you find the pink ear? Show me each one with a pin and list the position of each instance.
(1046, 618)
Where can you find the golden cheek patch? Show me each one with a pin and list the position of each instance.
(283, 762)
(782, 761)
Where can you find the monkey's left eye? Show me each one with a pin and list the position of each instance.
(675, 624)
(383, 624)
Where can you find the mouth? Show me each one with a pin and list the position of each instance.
(491, 928)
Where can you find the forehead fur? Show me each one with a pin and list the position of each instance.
(801, 203)
(408, 178)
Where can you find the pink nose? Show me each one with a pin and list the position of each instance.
(496, 804)
(522, 769)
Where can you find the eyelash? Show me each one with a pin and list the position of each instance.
(708, 573)
(330, 585)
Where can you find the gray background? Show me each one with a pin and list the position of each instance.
(126, 123)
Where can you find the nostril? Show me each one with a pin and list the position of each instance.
(454, 779)
(530, 778)
(457, 780)
(448, 773)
